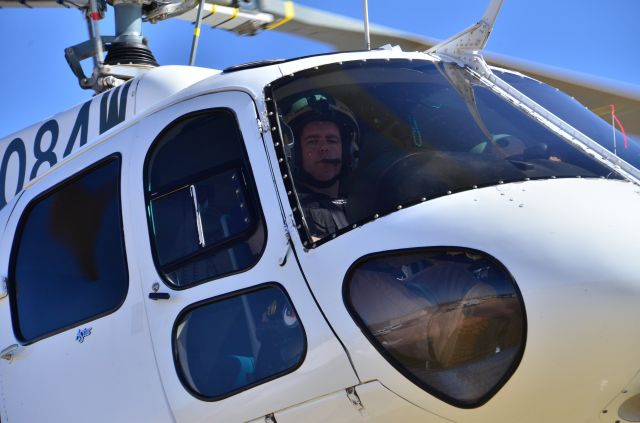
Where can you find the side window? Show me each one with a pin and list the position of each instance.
(452, 320)
(203, 211)
(69, 262)
(224, 346)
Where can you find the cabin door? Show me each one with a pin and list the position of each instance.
(75, 340)
(237, 334)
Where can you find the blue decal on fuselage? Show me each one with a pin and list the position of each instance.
(81, 126)
(41, 153)
(45, 156)
(114, 113)
(83, 333)
(16, 146)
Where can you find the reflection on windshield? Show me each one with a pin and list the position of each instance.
(367, 138)
(576, 115)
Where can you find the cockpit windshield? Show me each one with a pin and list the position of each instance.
(363, 139)
(575, 114)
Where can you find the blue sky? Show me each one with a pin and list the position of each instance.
(597, 37)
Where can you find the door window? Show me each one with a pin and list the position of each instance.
(227, 345)
(69, 262)
(203, 211)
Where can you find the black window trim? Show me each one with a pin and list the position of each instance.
(11, 281)
(399, 367)
(253, 200)
(223, 297)
(197, 177)
(226, 242)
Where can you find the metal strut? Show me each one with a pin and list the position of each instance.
(196, 35)
(93, 16)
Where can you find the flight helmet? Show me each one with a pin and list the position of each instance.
(320, 107)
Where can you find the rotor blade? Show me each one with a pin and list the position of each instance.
(284, 16)
(40, 4)
(229, 18)
(339, 31)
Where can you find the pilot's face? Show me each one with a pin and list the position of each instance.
(321, 150)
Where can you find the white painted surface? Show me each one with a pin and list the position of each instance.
(379, 405)
(87, 124)
(572, 247)
(326, 367)
(110, 376)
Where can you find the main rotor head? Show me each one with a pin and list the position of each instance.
(128, 53)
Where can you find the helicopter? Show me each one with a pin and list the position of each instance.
(161, 261)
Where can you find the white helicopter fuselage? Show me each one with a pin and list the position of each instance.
(569, 245)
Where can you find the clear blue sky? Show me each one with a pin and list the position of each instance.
(597, 37)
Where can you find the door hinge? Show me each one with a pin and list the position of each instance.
(282, 260)
(354, 399)
(263, 123)
(3, 287)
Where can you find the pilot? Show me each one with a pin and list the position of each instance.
(325, 136)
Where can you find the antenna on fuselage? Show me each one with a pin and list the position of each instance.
(367, 37)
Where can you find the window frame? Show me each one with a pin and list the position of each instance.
(271, 92)
(241, 164)
(17, 240)
(220, 244)
(223, 297)
(346, 283)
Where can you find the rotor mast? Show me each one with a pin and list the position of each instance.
(128, 54)
(129, 46)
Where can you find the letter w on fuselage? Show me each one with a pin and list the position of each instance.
(113, 107)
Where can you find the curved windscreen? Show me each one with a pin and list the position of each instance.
(367, 138)
(576, 115)
(451, 320)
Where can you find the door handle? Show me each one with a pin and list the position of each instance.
(155, 295)
(159, 296)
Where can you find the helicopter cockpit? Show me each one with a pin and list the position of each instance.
(425, 130)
